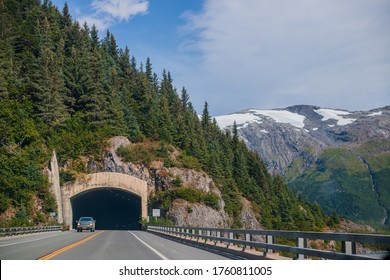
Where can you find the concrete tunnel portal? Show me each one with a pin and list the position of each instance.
(113, 209)
(116, 201)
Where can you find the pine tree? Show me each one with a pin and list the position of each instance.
(206, 119)
(94, 101)
(66, 21)
(49, 84)
(94, 38)
(149, 70)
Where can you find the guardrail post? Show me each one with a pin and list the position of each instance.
(248, 237)
(301, 243)
(208, 233)
(231, 236)
(269, 239)
(348, 247)
(217, 234)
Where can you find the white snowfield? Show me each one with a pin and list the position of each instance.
(243, 119)
(282, 116)
(328, 114)
(240, 119)
(375, 114)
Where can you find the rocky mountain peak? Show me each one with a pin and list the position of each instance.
(282, 135)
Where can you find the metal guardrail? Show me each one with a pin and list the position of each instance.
(27, 230)
(245, 239)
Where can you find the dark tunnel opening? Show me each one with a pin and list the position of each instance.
(112, 209)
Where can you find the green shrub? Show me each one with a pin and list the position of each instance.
(164, 199)
(177, 182)
(189, 162)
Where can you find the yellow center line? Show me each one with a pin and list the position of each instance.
(59, 251)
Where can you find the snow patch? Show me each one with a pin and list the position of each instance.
(375, 114)
(315, 129)
(282, 116)
(264, 131)
(240, 119)
(256, 116)
(335, 115)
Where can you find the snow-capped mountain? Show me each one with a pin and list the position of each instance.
(337, 158)
(282, 135)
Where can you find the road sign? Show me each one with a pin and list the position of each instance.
(156, 213)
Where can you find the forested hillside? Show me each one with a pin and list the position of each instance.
(63, 88)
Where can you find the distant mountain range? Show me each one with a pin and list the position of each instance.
(338, 158)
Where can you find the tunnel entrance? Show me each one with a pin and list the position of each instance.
(113, 209)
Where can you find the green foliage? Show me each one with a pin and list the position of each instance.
(159, 221)
(189, 162)
(164, 198)
(144, 153)
(177, 182)
(351, 182)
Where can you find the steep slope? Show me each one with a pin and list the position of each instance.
(335, 157)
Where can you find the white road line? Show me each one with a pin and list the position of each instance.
(150, 247)
(27, 241)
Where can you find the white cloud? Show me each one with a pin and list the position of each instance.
(121, 9)
(263, 54)
(101, 23)
(108, 12)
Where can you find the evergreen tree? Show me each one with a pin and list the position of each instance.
(94, 101)
(206, 119)
(149, 70)
(66, 21)
(94, 38)
(48, 83)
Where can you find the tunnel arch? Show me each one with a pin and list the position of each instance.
(112, 208)
(127, 185)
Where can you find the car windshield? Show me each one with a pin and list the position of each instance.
(86, 219)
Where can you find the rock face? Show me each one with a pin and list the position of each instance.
(159, 177)
(184, 213)
(337, 158)
(248, 216)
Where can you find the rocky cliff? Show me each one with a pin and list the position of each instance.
(338, 158)
(161, 178)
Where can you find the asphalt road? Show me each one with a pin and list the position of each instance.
(100, 245)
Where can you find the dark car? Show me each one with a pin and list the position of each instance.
(87, 223)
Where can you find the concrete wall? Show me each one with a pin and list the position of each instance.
(54, 179)
(103, 180)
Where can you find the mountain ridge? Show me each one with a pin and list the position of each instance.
(304, 122)
(335, 157)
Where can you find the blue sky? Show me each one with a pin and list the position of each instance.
(263, 54)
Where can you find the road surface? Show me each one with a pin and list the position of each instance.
(101, 245)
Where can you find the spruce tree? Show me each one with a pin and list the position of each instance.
(48, 83)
